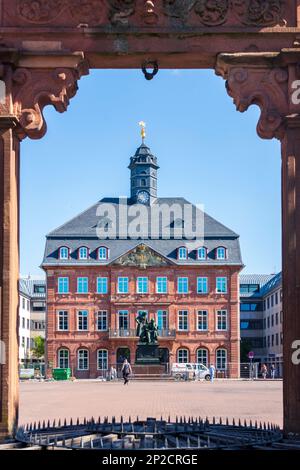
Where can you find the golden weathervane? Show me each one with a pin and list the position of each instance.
(142, 125)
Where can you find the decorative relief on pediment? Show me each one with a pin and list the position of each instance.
(218, 12)
(151, 12)
(142, 257)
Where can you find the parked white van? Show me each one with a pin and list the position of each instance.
(183, 371)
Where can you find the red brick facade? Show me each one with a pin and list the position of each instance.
(93, 340)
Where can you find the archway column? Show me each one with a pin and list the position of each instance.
(9, 272)
(27, 85)
(271, 81)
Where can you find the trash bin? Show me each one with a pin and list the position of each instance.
(61, 374)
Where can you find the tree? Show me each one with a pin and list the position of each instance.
(39, 347)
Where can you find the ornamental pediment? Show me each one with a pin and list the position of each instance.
(142, 256)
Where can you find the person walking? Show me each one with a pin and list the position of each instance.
(273, 371)
(264, 371)
(126, 371)
(212, 371)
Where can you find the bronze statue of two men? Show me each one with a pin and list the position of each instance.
(146, 330)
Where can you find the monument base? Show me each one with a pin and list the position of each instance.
(147, 354)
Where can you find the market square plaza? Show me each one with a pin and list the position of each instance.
(250, 400)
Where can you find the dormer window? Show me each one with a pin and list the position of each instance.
(102, 253)
(202, 253)
(64, 252)
(221, 252)
(182, 253)
(83, 252)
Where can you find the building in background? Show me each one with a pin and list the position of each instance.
(32, 315)
(261, 318)
(96, 288)
(24, 324)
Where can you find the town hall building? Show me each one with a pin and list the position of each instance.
(100, 276)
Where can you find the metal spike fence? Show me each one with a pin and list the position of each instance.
(184, 433)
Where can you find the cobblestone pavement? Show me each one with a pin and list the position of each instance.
(260, 400)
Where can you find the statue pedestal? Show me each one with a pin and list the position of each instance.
(147, 354)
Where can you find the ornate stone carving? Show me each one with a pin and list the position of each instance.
(121, 10)
(149, 14)
(34, 89)
(265, 87)
(217, 12)
(259, 12)
(40, 11)
(212, 12)
(142, 256)
(178, 8)
(88, 10)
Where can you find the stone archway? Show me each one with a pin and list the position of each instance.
(46, 47)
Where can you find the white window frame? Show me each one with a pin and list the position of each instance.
(65, 315)
(183, 281)
(87, 358)
(83, 282)
(205, 363)
(102, 257)
(142, 281)
(67, 252)
(223, 251)
(222, 359)
(65, 285)
(125, 314)
(165, 317)
(202, 313)
(202, 249)
(221, 313)
(181, 316)
(58, 358)
(203, 281)
(104, 361)
(122, 283)
(103, 282)
(178, 355)
(80, 253)
(103, 314)
(80, 315)
(161, 281)
(223, 281)
(182, 253)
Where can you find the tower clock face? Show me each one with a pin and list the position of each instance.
(143, 197)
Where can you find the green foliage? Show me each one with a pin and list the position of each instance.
(39, 347)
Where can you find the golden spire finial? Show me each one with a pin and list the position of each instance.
(142, 125)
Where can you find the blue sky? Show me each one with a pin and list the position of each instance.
(207, 151)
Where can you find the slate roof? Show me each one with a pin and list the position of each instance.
(273, 284)
(82, 231)
(26, 287)
(267, 282)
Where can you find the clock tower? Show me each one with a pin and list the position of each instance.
(143, 167)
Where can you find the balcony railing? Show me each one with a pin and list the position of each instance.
(130, 333)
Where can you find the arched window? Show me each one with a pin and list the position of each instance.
(102, 359)
(182, 252)
(64, 252)
(63, 358)
(83, 359)
(102, 253)
(182, 355)
(202, 253)
(202, 356)
(221, 359)
(83, 252)
(221, 252)
(143, 182)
